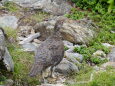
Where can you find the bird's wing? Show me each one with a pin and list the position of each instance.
(43, 50)
(46, 49)
(57, 52)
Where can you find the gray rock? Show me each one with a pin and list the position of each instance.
(111, 55)
(37, 41)
(81, 31)
(29, 3)
(9, 82)
(29, 47)
(56, 7)
(25, 31)
(5, 57)
(1, 4)
(99, 53)
(8, 21)
(20, 38)
(71, 48)
(52, 85)
(105, 65)
(107, 45)
(74, 57)
(66, 67)
(68, 44)
(30, 38)
(96, 68)
(113, 32)
(8, 62)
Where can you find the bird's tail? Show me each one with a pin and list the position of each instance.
(36, 69)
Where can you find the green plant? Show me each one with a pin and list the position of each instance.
(99, 6)
(39, 16)
(75, 14)
(111, 5)
(65, 48)
(103, 79)
(96, 60)
(10, 6)
(11, 33)
(2, 78)
(22, 63)
(83, 75)
(100, 78)
(88, 51)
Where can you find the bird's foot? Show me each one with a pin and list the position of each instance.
(52, 76)
(43, 81)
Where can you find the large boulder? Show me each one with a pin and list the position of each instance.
(66, 67)
(80, 31)
(56, 7)
(6, 61)
(8, 21)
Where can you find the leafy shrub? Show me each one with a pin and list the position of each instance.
(88, 51)
(98, 60)
(111, 5)
(84, 51)
(100, 6)
(75, 14)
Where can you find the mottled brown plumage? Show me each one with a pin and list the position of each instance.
(50, 52)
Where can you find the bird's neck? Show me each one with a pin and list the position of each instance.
(56, 35)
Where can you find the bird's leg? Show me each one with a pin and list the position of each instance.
(52, 0)
(42, 79)
(51, 72)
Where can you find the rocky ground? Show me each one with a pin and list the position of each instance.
(28, 23)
